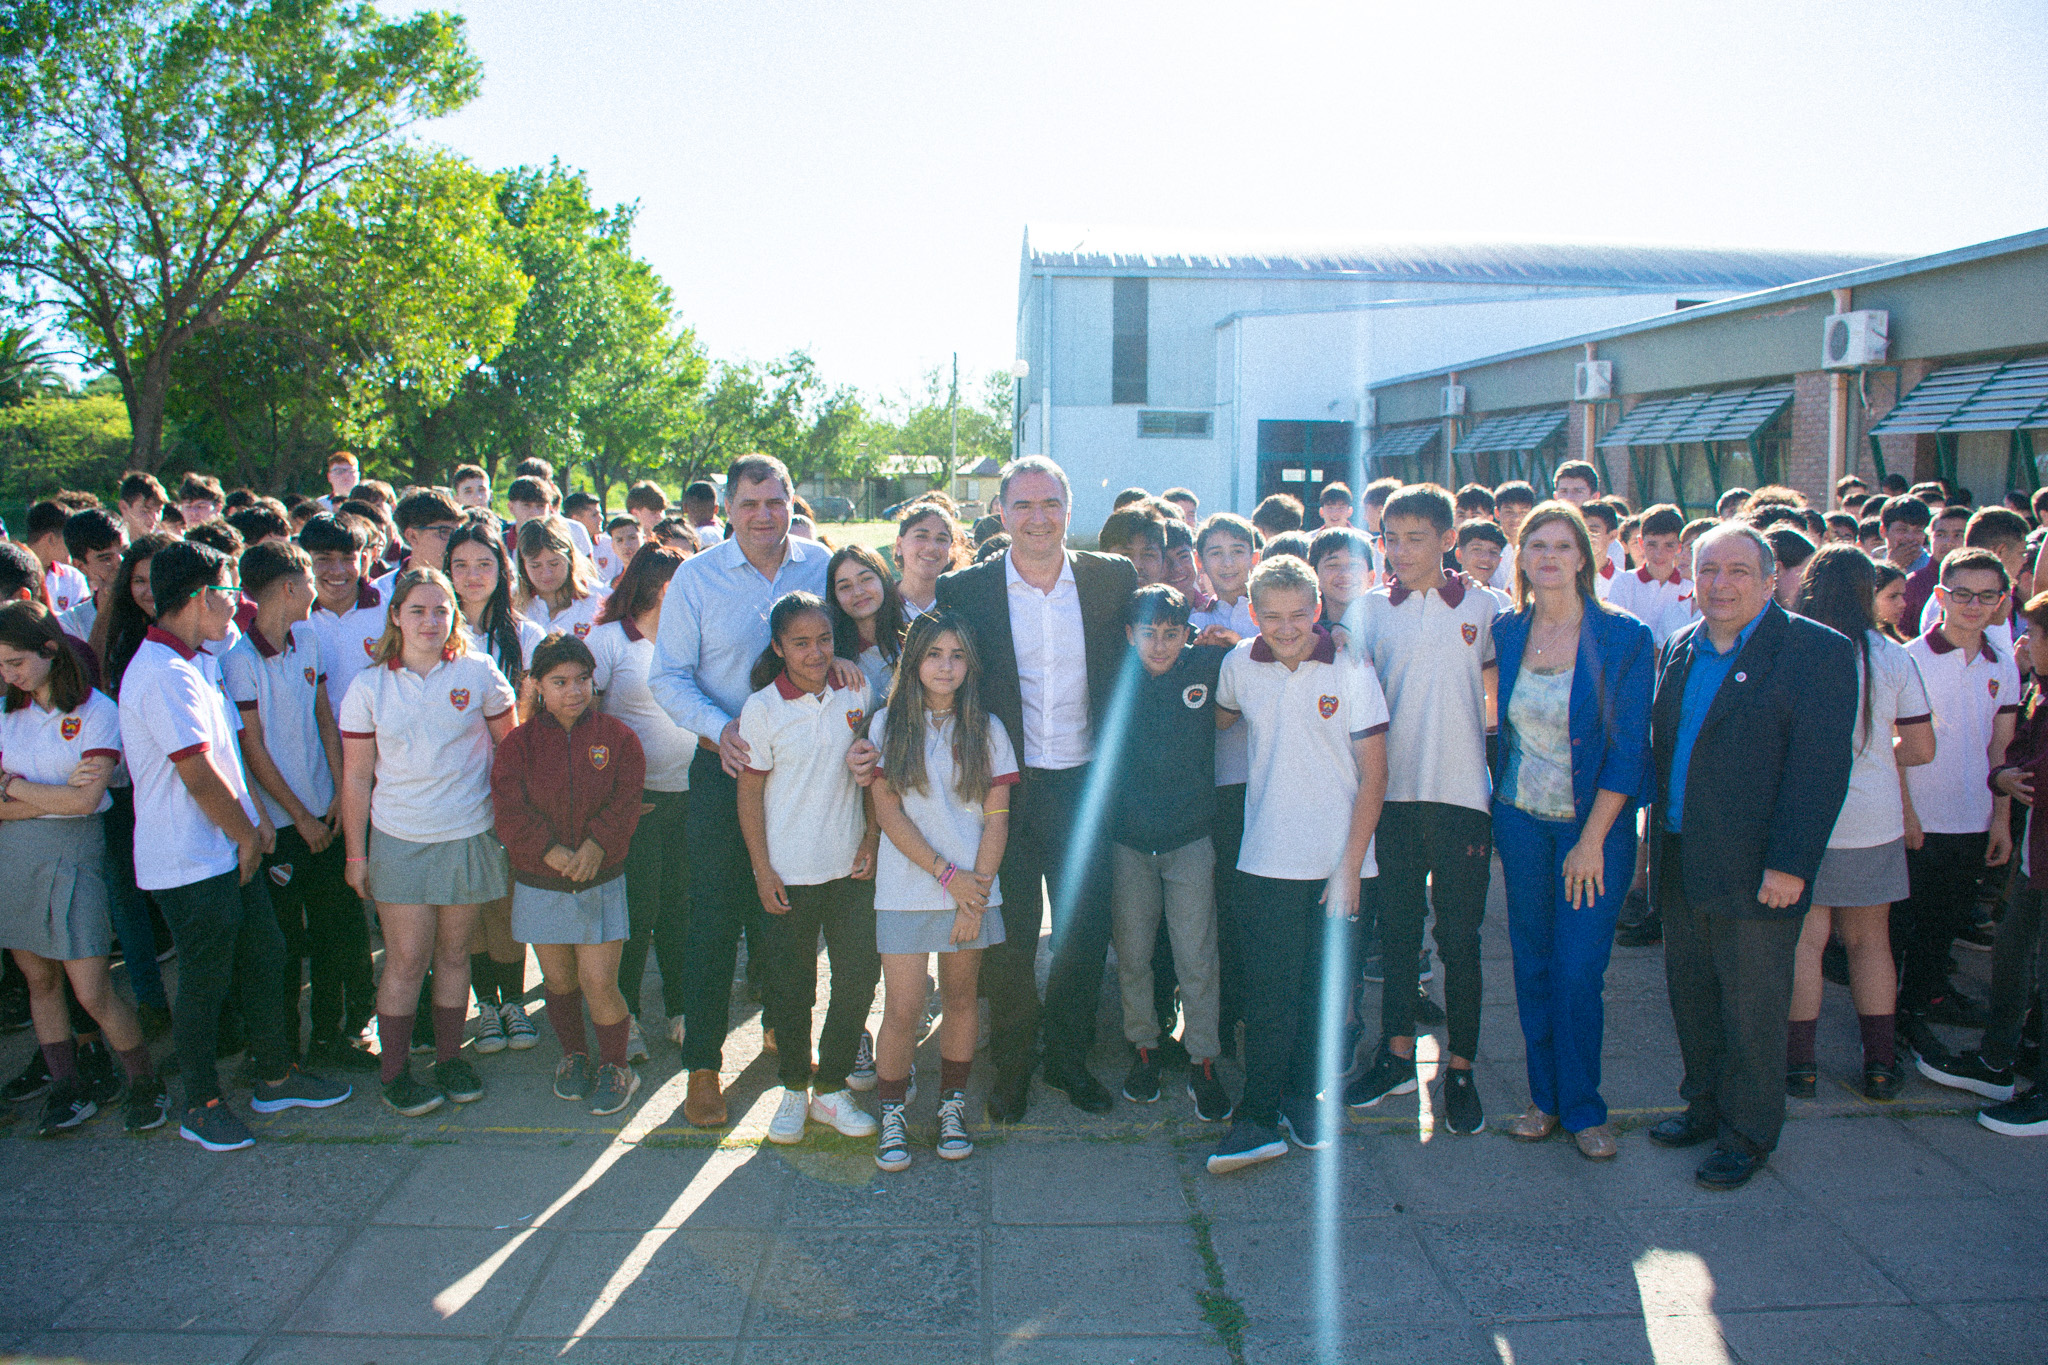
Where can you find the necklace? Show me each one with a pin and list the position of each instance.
(1557, 637)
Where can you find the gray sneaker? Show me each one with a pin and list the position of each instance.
(615, 1088)
(572, 1077)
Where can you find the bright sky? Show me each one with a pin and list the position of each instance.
(855, 178)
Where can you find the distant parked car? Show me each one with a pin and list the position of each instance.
(833, 508)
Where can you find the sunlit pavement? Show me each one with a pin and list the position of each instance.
(520, 1228)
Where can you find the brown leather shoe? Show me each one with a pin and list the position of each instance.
(768, 1040)
(1596, 1143)
(704, 1106)
(1533, 1126)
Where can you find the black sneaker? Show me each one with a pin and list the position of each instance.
(68, 1104)
(1883, 1082)
(458, 1080)
(1300, 1120)
(1141, 1085)
(215, 1127)
(1968, 1071)
(1173, 1054)
(1463, 1113)
(2024, 1117)
(298, 1090)
(410, 1098)
(1648, 931)
(615, 1088)
(1982, 937)
(1388, 1075)
(1246, 1144)
(1080, 1087)
(1954, 1008)
(32, 1080)
(148, 1106)
(14, 1015)
(1802, 1082)
(1427, 1012)
(336, 1054)
(1374, 968)
(103, 1080)
(1212, 1101)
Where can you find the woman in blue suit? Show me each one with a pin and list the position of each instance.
(1569, 772)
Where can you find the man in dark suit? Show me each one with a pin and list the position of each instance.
(1750, 737)
(1048, 627)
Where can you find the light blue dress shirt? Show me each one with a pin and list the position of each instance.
(714, 625)
(1703, 679)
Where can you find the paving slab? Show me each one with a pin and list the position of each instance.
(669, 1282)
(1954, 1250)
(470, 1184)
(302, 1183)
(1065, 1281)
(1836, 1161)
(702, 1186)
(595, 1351)
(1035, 1182)
(1356, 1343)
(180, 1277)
(1376, 1270)
(1631, 1340)
(2001, 1333)
(840, 1187)
(1523, 1266)
(304, 1349)
(425, 1282)
(856, 1284)
(1807, 1337)
(138, 1348)
(1133, 1350)
(42, 1274)
(839, 1350)
(1761, 1257)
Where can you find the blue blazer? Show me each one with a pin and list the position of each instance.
(1612, 681)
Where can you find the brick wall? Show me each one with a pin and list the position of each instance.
(1805, 455)
(1912, 456)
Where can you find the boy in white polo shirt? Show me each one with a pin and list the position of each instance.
(1430, 637)
(201, 846)
(1228, 548)
(1955, 826)
(1309, 710)
(347, 614)
(293, 749)
(1658, 594)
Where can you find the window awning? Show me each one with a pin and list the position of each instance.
(1988, 397)
(1404, 443)
(1725, 415)
(1514, 431)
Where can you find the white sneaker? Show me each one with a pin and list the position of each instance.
(954, 1144)
(862, 1077)
(520, 1033)
(787, 1127)
(490, 1033)
(843, 1112)
(636, 1046)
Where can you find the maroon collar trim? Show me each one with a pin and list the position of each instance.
(164, 637)
(1940, 644)
(632, 631)
(1453, 591)
(263, 647)
(789, 691)
(1325, 651)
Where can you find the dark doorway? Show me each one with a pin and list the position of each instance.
(1299, 458)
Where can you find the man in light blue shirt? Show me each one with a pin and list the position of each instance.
(714, 625)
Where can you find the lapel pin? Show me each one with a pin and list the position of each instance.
(1742, 677)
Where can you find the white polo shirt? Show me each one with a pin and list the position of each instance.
(67, 587)
(433, 749)
(1665, 606)
(1610, 573)
(1952, 795)
(347, 640)
(1872, 813)
(172, 708)
(710, 534)
(798, 741)
(44, 746)
(1431, 651)
(282, 686)
(951, 826)
(529, 635)
(1051, 645)
(1304, 776)
(606, 557)
(624, 658)
(1999, 633)
(1233, 761)
(578, 618)
(79, 620)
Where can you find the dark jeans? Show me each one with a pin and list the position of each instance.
(1295, 980)
(2015, 974)
(1943, 873)
(658, 900)
(845, 911)
(1228, 836)
(227, 935)
(723, 904)
(1049, 848)
(127, 906)
(321, 918)
(1433, 855)
(1561, 956)
(1730, 985)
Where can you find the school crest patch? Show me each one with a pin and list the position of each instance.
(310, 679)
(69, 727)
(1469, 631)
(854, 718)
(459, 697)
(1326, 706)
(1194, 695)
(1992, 684)
(369, 649)
(281, 873)
(600, 755)
(581, 629)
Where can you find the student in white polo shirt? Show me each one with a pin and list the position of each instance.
(1604, 522)
(421, 725)
(425, 520)
(1955, 827)
(199, 844)
(1658, 594)
(1312, 713)
(813, 848)
(1228, 549)
(275, 677)
(1431, 639)
(558, 586)
(348, 614)
(93, 539)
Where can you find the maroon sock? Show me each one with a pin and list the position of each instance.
(394, 1044)
(135, 1062)
(565, 1015)
(1877, 1038)
(448, 1031)
(611, 1041)
(953, 1075)
(891, 1092)
(1799, 1042)
(62, 1059)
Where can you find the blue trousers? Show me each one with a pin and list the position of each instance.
(1561, 956)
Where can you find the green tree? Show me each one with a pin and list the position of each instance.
(61, 440)
(160, 155)
(918, 427)
(24, 367)
(784, 409)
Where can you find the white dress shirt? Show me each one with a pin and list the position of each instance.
(1052, 669)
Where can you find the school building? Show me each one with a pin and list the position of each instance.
(1239, 370)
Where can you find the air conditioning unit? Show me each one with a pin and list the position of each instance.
(1453, 400)
(1592, 380)
(1856, 339)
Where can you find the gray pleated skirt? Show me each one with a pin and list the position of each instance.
(596, 914)
(453, 872)
(53, 890)
(1862, 876)
(931, 931)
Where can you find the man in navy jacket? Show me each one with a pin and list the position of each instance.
(1750, 736)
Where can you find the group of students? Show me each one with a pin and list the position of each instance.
(497, 737)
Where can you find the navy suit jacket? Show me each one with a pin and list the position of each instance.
(1769, 769)
(1610, 707)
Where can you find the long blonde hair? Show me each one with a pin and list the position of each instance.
(540, 535)
(391, 644)
(1541, 516)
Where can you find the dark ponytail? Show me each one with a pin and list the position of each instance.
(1838, 590)
(784, 614)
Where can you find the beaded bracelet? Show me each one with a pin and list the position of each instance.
(946, 877)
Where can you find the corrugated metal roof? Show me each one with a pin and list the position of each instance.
(1721, 415)
(1514, 431)
(1131, 250)
(1404, 443)
(1987, 397)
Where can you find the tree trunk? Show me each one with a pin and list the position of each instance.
(151, 391)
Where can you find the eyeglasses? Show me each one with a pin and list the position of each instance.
(1963, 597)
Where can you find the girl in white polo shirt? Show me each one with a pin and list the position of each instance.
(867, 614)
(813, 853)
(558, 586)
(59, 743)
(420, 723)
(942, 796)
